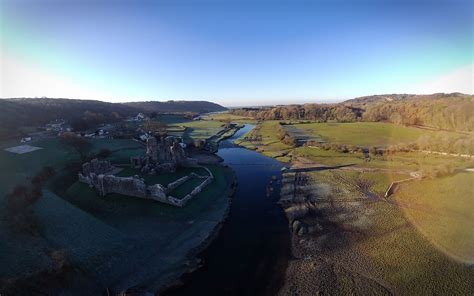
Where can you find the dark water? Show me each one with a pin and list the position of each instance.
(249, 256)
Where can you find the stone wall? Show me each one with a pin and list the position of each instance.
(135, 186)
(182, 202)
(97, 167)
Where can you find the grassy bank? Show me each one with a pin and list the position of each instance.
(442, 209)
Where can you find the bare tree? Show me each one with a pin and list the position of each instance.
(79, 144)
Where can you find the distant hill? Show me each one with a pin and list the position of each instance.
(18, 112)
(366, 100)
(444, 111)
(28, 111)
(177, 106)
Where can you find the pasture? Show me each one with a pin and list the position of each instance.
(365, 134)
(225, 116)
(442, 209)
(264, 139)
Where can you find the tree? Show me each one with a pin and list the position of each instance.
(374, 151)
(79, 144)
(153, 115)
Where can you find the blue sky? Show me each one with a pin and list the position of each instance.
(234, 52)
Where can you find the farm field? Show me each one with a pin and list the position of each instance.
(225, 116)
(365, 134)
(442, 209)
(201, 129)
(264, 138)
(191, 130)
(399, 161)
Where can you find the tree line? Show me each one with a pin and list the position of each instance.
(439, 111)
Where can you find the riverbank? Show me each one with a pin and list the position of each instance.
(347, 239)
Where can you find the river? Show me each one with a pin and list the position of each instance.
(250, 254)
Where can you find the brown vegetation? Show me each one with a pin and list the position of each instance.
(441, 111)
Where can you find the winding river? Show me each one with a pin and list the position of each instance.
(250, 254)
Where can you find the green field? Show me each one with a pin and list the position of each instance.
(194, 130)
(442, 209)
(17, 168)
(264, 139)
(412, 161)
(224, 116)
(365, 134)
(191, 130)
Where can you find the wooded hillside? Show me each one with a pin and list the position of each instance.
(81, 114)
(442, 111)
(177, 106)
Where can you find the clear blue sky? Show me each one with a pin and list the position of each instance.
(234, 52)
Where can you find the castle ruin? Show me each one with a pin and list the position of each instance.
(162, 156)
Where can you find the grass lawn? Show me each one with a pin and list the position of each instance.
(361, 133)
(443, 210)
